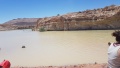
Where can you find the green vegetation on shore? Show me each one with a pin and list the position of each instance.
(41, 29)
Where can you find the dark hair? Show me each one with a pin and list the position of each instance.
(117, 35)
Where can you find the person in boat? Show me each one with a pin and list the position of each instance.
(5, 64)
(114, 51)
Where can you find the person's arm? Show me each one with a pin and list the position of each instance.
(118, 52)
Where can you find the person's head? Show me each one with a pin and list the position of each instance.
(117, 35)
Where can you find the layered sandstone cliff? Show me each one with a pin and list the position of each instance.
(102, 18)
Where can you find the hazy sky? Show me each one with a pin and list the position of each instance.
(12, 9)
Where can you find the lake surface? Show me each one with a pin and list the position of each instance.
(54, 47)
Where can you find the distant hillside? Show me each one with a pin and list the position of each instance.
(22, 23)
(101, 18)
(4, 27)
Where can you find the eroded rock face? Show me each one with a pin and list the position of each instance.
(89, 19)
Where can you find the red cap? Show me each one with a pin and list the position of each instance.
(5, 64)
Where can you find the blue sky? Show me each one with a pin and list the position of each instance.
(12, 9)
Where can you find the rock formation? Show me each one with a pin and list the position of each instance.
(96, 19)
(23, 47)
(102, 18)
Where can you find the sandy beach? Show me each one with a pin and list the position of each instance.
(102, 65)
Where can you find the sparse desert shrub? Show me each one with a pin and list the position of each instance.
(42, 29)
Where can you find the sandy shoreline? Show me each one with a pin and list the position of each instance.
(102, 65)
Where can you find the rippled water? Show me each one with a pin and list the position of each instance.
(54, 47)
